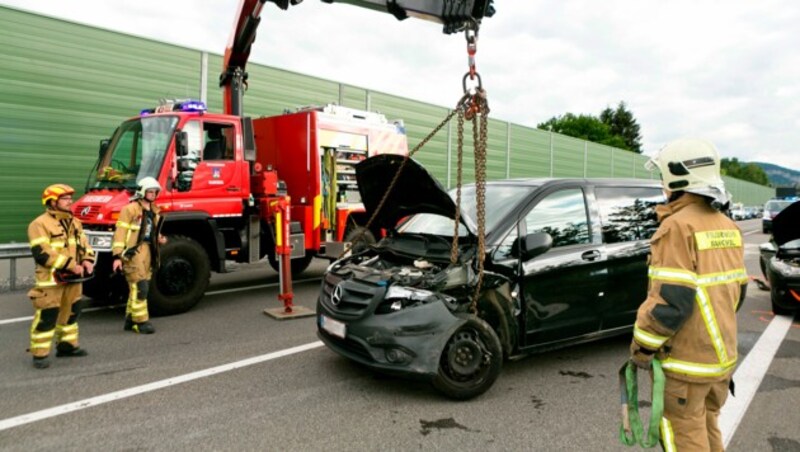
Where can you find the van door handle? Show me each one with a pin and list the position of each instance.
(591, 255)
(232, 188)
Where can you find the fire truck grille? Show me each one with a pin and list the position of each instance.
(87, 212)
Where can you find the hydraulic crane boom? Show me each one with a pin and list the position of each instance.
(454, 15)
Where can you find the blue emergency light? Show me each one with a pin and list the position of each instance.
(193, 105)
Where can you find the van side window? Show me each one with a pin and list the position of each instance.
(628, 213)
(562, 215)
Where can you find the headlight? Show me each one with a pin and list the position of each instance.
(407, 293)
(402, 297)
(784, 269)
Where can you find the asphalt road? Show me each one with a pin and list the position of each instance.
(315, 400)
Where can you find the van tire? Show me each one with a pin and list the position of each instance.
(470, 362)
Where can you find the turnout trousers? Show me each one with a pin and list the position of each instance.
(56, 317)
(138, 271)
(690, 417)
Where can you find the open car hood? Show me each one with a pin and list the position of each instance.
(416, 190)
(786, 225)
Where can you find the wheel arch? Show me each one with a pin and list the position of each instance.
(202, 228)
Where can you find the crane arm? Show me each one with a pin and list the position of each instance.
(454, 15)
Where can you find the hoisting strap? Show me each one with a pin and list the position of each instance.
(631, 431)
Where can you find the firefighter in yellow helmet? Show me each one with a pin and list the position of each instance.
(135, 249)
(697, 283)
(63, 257)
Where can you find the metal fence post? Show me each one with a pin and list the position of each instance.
(508, 150)
(551, 153)
(12, 274)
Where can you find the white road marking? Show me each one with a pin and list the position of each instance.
(6, 424)
(750, 373)
(213, 292)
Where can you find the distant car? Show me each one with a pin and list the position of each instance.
(566, 262)
(771, 208)
(738, 214)
(780, 261)
(750, 212)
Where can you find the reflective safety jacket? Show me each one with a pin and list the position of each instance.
(697, 283)
(128, 234)
(57, 242)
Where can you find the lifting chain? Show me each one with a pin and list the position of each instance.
(473, 106)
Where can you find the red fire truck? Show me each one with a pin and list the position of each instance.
(230, 181)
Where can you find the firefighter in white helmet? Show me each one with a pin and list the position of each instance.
(697, 283)
(135, 249)
(63, 257)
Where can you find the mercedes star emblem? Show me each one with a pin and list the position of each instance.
(85, 211)
(336, 296)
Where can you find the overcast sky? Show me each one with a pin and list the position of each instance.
(728, 71)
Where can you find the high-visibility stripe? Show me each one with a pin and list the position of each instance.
(41, 340)
(707, 311)
(118, 245)
(697, 369)
(43, 335)
(643, 337)
(685, 276)
(673, 275)
(57, 245)
(717, 240)
(60, 261)
(317, 211)
(67, 332)
(46, 284)
(38, 241)
(69, 337)
(667, 436)
(122, 224)
(278, 229)
(713, 279)
(36, 317)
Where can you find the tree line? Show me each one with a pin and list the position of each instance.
(618, 127)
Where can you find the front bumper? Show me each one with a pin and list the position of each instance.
(786, 288)
(408, 342)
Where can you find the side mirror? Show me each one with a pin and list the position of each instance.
(181, 143)
(104, 147)
(535, 244)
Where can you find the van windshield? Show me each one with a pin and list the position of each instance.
(500, 200)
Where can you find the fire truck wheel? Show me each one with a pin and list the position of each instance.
(360, 242)
(299, 265)
(181, 279)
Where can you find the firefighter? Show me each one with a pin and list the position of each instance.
(697, 283)
(63, 256)
(135, 249)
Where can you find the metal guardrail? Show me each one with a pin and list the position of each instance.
(14, 251)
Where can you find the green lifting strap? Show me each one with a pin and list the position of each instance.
(631, 431)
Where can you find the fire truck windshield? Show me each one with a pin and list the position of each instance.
(136, 150)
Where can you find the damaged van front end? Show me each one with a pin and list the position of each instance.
(402, 307)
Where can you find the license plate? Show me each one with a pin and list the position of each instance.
(334, 327)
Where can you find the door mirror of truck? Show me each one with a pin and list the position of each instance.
(104, 147)
(535, 244)
(182, 143)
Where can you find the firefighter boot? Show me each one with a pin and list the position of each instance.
(142, 328)
(41, 362)
(67, 350)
